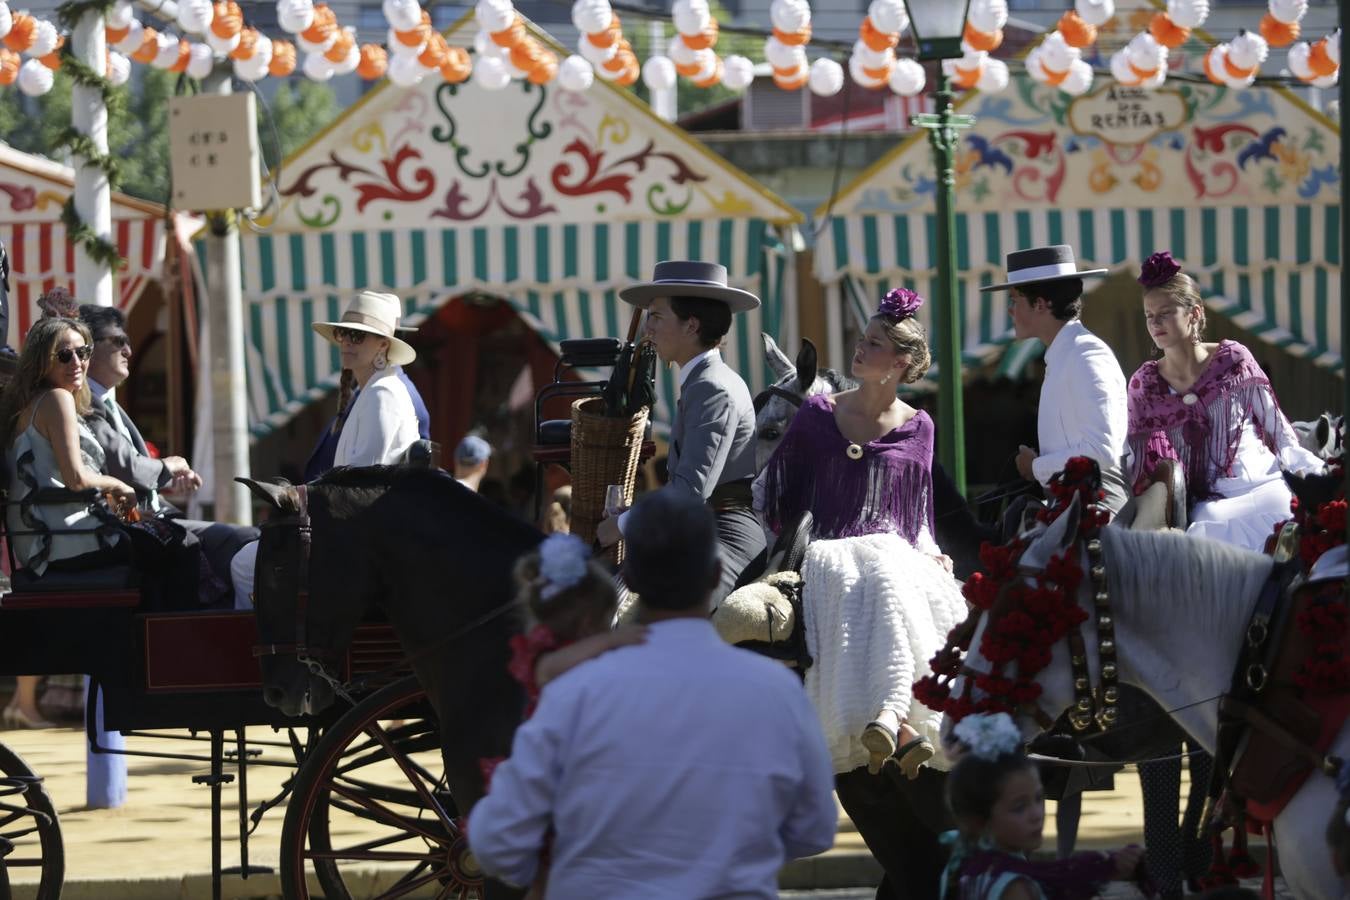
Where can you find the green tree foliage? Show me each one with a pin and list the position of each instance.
(138, 131)
(300, 109)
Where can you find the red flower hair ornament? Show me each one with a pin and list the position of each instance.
(900, 303)
(1158, 269)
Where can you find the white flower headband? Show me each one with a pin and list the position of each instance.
(562, 564)
(989, 735)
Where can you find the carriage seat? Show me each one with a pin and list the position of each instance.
(109, 585)
(1161, 505)
(121, 577)
(558, 432)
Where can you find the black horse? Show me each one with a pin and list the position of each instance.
(431, 556)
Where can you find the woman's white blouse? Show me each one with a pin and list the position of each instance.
(382, 423)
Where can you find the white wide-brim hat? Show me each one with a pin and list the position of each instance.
(374, 313)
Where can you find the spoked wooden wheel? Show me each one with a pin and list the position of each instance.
(370, 815)
(30, 834)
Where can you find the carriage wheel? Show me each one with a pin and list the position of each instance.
(30, 834)
(370, 815)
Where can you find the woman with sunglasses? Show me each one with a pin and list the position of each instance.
(381, 423)
(48, 445)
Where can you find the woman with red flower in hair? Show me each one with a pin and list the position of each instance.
(878, 594)
(1209, 407)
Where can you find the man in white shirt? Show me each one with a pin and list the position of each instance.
(677, 769)
(1083, 408)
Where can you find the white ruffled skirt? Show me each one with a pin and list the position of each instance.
(876, 611)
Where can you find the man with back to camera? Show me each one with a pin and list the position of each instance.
(128, 456)
(677, 769)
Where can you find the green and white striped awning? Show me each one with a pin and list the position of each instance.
(1274, 270)
(562, 279)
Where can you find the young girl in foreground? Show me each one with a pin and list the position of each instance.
(572, 601)
(995, 795)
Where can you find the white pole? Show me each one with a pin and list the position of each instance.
(225, 314)
(93, 195)
(663, 102)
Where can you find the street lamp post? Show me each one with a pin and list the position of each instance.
(938, 27)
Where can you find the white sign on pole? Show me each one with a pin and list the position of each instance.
(213, 152)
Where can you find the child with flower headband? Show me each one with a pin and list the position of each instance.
(572, 601)
(994, 792)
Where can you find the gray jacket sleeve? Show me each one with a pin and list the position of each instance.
(706, 436)
(124, 461)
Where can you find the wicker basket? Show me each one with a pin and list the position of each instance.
(605, 451)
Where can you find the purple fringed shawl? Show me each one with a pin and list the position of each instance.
(888, 490)
(1203, 435)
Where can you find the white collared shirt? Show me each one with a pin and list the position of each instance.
(674, 769)
(99, 391)
(1083, 410)
(689, 367)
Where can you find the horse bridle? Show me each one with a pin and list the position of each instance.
(305, 532)
(763, 397)
(1099, 707)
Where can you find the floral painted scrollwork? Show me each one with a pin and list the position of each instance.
(447, 133)
(21, 197)
(456, 200)
(596, 177)
(329, 212)
(390, 187)
(394, 189)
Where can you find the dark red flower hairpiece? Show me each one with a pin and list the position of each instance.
(900, 303)
(1158, 269)
(58, 304)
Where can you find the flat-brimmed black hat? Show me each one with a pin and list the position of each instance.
(685, 278)
(1041, 264)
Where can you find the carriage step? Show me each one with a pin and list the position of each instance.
(213, 779)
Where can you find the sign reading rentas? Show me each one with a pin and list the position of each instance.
(213, 152)
(1126, 115)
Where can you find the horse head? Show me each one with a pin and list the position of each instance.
(288, 684)
(1073, 610)
(775, 407)
(1324, 436)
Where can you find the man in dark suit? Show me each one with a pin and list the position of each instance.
(128, 456)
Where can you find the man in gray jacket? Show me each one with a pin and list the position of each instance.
(128, 456)
(712, 438)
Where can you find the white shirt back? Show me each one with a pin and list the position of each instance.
(679, 769)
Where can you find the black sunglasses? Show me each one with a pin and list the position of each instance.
(350, 335)
(120, 341)
(66, 354)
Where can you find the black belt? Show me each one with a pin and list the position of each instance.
(732, 495)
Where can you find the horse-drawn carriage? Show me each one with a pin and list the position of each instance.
(376, 776)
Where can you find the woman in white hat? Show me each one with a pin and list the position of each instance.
(382, 423)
